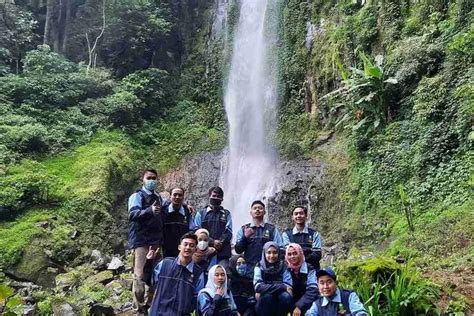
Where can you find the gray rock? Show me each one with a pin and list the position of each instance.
(99, 261)
(116, 264)
(63, 310)
(101, 310)
(29, 310)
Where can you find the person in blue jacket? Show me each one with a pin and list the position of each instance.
(144, 231)
(241, 286)
(176, 280)
(216, 299)
(272, 283)
(177, 220)
(252, 236)
(308, 238)
(218, 222)
(335, 301)
(303, 279)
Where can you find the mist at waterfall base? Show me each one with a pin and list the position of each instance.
(250, 163)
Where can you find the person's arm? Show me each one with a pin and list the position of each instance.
(226, 236)
(355, 305)
(207, 305)
(135, 211)
(316, 254)
(233, 306)
(313, 311)
(241, 242)
(277, 238)
(311, 292)
(197, 221)
(150, 273)
(262, 287)
(285, 238)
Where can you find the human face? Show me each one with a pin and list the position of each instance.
(219, 276)
(292, 255)
(327, 286)
(257, 211)
(271, 255)
(299, 217)
(149, 176)
(202, 237)
(187, 247)
(240, 261)
(177, 196)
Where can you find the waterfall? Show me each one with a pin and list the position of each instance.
(250, 163)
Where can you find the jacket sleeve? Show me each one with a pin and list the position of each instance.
(311, 293)
(263, 287)
(356, 306)
(241, 241)
(207, 305)
(226, 236)
(150, 273)
(135, 211)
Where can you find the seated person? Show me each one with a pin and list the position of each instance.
(216, 299)
(333, 300)
(305, 289)
(241, 286)
(273, 289)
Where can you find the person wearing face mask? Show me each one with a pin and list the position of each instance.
(241, 286)
(216, 298)
(177, 221)
(218, 221)
(303, 279)
(144, 233)
(203, 251)
(273, 289)
(252, 236)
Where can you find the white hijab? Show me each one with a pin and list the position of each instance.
(210, 286)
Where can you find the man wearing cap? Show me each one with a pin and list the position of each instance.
(252, 236)
(306, 237)
(333, 300)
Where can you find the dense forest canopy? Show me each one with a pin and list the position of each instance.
(91, 91)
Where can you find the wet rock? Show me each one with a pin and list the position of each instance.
(75, 234)
(63, 310)
(126, 280)
(99, 261)
(116, 264)
(101, 310)
(29, 310)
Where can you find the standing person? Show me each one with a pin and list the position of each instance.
(273, 289)
(252, 236)
(333, 300)
(218, 221)
(203, 252)
(176, 280)
(216, 298)
(241, 286)
(303, 279)
(144, 231)
(177, 221)
(305, 236)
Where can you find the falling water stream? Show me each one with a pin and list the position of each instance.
(249, 166)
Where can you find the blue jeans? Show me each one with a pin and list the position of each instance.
(275, 304)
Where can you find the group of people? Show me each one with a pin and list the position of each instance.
(183, 261)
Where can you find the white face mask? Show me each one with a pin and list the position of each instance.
(202, 245)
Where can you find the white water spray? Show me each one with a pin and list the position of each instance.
(250, 164)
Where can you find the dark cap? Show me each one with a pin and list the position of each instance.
(327, 271)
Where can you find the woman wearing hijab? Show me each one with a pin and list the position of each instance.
(241, 286)
(216, 299)
(272, 283)
(303, 279)
(203, 252)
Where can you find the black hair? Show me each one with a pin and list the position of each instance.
(217, 190)
(151, 171)
(180, 188)
(258, 202)
(305, 210)
(189, 236)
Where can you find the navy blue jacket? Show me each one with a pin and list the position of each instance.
(176, 287)
(145, 227)
(175, 225)
(252, 246)
(219, 224)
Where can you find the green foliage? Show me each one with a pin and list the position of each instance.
(8, 301)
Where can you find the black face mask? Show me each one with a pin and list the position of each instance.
(215, 201)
